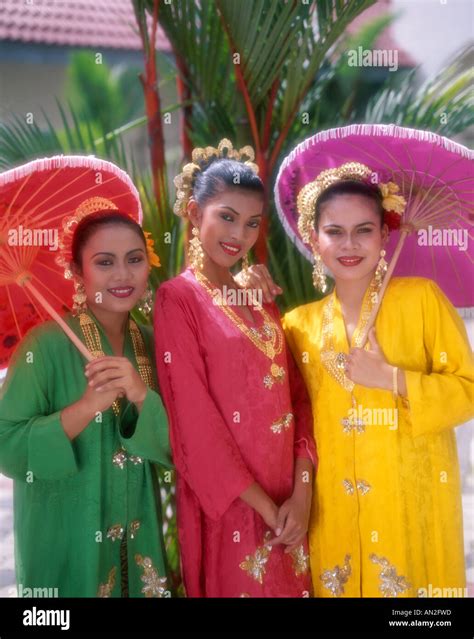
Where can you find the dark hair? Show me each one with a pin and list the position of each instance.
(224, 174)
(350, 187)
(94, 221)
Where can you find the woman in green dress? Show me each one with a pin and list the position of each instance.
(82, 441)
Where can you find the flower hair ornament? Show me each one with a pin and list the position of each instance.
(393, 204)
(201, 158)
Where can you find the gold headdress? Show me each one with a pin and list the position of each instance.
(201, 158)
(393, 204)
(89, 206)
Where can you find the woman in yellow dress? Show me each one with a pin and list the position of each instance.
(386, 517)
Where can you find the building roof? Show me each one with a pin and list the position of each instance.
(75, 23)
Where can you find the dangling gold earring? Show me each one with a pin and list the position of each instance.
(381, 267)
(244, 273)
(145, 303)
(195, 251)
(319, 279)
(79, 298)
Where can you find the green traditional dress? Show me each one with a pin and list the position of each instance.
(87, 512)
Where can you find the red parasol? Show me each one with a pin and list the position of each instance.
(36, 200)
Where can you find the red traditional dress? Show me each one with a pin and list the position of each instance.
(237, 415)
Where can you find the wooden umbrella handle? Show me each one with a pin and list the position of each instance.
(391, 267)
(69, 332)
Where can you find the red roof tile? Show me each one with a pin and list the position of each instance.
(75, 23)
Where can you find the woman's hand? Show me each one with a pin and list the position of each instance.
(116, 374)
(259, 278)
(76, 417)
(258, 499)
(97, 402)
(292, 522)
(369, 367)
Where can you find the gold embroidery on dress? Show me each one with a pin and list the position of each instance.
(391, 584)
(115, 532)
(277, 375)
(282, 424)
(300, 560)
(244, 594)
(350, 424)
(93, 342)
(363, 486)
(133, 528)
(105, 590)
(335, 578)
(155, 586)
(348, 486)
(254, 565)
(119, 458)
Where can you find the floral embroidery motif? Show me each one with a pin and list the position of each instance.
(300, 560)
(105, 590)
(335, 578)
(254, 565)
(119, 458)
(155, 586)
(283, 423)
(348, 486)
(277, 374)
(363, 486)
(115, 532)
(133, 528)
(353, 424)
(244, 594)
(391, 584)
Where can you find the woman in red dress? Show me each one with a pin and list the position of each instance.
(240, 418)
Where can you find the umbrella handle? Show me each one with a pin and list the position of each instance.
(69, 332)
(391, 267)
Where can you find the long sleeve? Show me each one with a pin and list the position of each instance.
(443, 397)
(304, 442)
(149, 436)
(205, 453)
(32, 439)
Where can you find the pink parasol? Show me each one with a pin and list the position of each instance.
(435, 175)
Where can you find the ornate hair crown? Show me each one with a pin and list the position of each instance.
(393, 204)
(202, 157)
(89, 206)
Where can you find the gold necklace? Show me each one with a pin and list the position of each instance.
(94, 344)
(334, 361)
(269, 340)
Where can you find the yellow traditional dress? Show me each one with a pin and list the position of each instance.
(386, 517)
